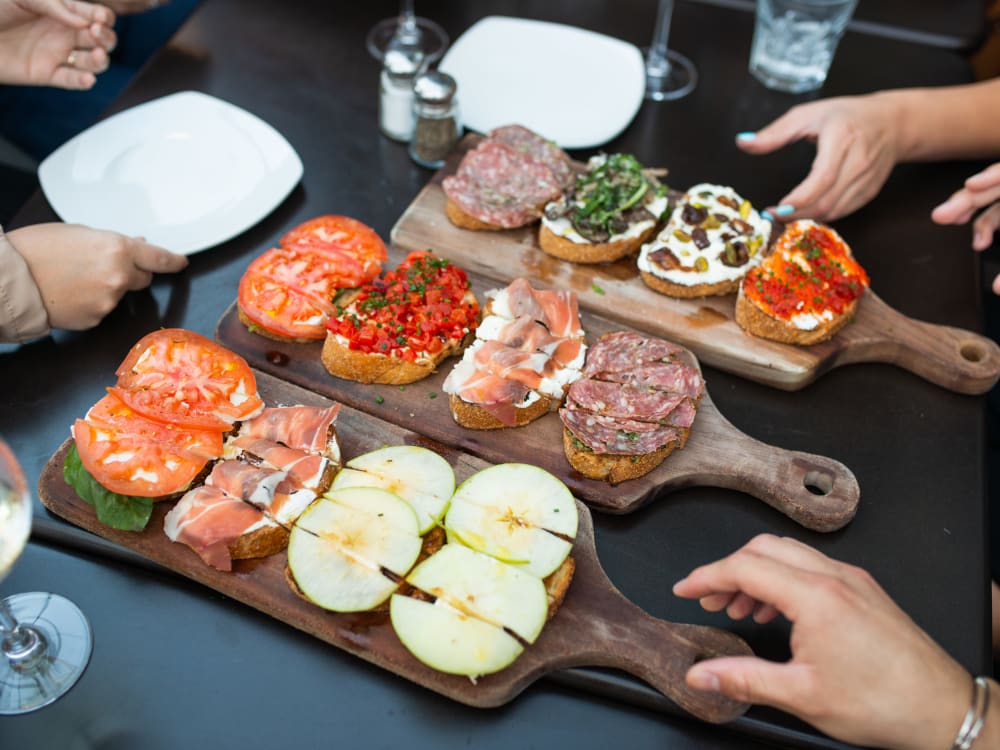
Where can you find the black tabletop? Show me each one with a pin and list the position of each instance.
(175, 663)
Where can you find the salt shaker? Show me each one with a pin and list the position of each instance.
(435, 108)
(399, 70)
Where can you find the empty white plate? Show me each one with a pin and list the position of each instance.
(572, 86)
(186, 171)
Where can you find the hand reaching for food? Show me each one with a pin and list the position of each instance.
(60, 43)
(856, 149)
(982, 189)
(82, 273)
(861, 670)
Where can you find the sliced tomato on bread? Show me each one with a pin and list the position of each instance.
(132, 455)
(182, 378)
(289, 293)
(356, 248)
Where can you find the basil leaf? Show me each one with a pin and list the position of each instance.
(124, 512)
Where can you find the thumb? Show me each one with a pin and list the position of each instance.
(749, 679)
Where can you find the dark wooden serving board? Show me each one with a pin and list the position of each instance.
(817, 492)
(956, 359)
(596, 625)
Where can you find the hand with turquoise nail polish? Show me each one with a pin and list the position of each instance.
(861, 670)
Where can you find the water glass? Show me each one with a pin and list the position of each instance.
(794, 41)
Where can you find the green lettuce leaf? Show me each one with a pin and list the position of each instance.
(125, 512)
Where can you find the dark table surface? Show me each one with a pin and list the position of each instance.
(176, 664)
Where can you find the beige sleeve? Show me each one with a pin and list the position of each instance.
(22, 313)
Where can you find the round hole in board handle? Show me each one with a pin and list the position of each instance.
(818, 483)
(972, 352)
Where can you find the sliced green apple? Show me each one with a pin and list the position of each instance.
(483, 613)
(517, 513)
(419, 476)
(344, 544)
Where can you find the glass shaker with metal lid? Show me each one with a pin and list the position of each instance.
(400, 68)
(435, 108)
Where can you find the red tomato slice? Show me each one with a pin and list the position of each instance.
(177, 376)
(354, 246)
(132, 455)
(290, 292)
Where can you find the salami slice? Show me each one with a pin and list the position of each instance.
(627, 401)
(538, 148)
(665, 376)
(501, 186)
(622, 351)
(627, 437)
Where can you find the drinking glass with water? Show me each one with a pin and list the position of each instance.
(794, 41)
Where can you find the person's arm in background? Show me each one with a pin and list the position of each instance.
(861, 670)
(859, 140)
(79, 275)
(60, 43)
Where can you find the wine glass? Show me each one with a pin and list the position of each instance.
(408, 32)
(669, 75)
(45, 640)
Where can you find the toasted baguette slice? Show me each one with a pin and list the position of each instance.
(460, 219)
(612, 468)
(254, 328)
(557, 584)
(591, 252)
(263, 542)
(351, 364)
(754, 320)
(669, 288)
(475, 417)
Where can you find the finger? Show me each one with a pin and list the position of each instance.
(717, 602)
(764, 614)
(156, 259)
(752, 680)
(88, 60)
(65, 77)
(988, 178)
(741, 606)
(996, 285)
(139, 279)
(791, 126)
(91, 12)
(984, 227)
(72, 13)
(96, 35)
(960, 207)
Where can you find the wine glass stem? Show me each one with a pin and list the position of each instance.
(22, 644)
(658, 49)
(407, 31)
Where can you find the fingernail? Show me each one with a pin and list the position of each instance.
(746, 135)
(766, 215)
(674, 589)
(702, 679)
(784, 209)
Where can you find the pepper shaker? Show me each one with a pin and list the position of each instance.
(400, 69)
(435, 109)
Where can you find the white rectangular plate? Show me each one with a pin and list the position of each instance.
(186, 171)
(547, 77)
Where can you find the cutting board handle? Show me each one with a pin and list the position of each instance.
(619, 634)
(956, 359)
(816, 491)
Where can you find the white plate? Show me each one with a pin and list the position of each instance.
(575, 87)
(187, 172)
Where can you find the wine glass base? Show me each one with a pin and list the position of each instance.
(69, 643)
(665, 83)
(431, 38)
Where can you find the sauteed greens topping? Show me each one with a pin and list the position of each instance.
(604, 195)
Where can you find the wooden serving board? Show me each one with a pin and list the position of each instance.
(596, 625)
(816, 491)
(956, 359)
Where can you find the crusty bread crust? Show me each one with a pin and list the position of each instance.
(612, 468)
(263, 542)
(671, 289)
(475, 417)
(557, 584)
(261, 331)
(591, 252)
(459, 218)
(371, 367)
(757, 322)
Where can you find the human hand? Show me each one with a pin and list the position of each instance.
(61, 43)
(982, 189)
(861, 670)
(855, 152)
(82, 273)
